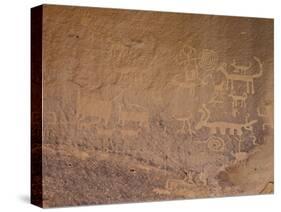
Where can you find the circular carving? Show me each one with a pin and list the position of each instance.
(215, 144)
(208, 60)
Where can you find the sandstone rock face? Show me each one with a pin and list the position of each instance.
(132, 106)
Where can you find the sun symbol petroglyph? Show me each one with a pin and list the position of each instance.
(208, 60)
(215, 144)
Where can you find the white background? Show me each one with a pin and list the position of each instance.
(15, 102)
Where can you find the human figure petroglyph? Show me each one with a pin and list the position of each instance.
(222, 126)
(248, 79)
(189, 176)
(186, 55)
(240, 69)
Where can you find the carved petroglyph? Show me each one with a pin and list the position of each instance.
(148, 106)
(208, 60)
(186, 56)
(240, 158)
(238, 102)
(248, 79)
(221, 126)
(266, 113)
(215, 144)
(240, 69)
(186, 123)
(192, 178)
(218, 96)
(203, 177)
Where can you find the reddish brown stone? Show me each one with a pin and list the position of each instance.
(131, 106)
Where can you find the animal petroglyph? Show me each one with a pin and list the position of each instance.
(221, 126)
(240, 158)
(238, 102)
(248, 79)
(266, 113)
(186, 122)
(240, 69)
(192, 178)
(176, 184)
(145, 105)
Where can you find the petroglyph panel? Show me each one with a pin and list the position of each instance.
(147, 106)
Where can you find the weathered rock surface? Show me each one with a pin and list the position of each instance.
(146, 106)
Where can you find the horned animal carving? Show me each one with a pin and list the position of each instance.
(248, 79)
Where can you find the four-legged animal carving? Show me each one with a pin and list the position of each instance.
(222, 126)
(186, 120)
(248, 79)
(240, 69)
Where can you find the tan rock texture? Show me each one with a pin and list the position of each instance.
(133, 106)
